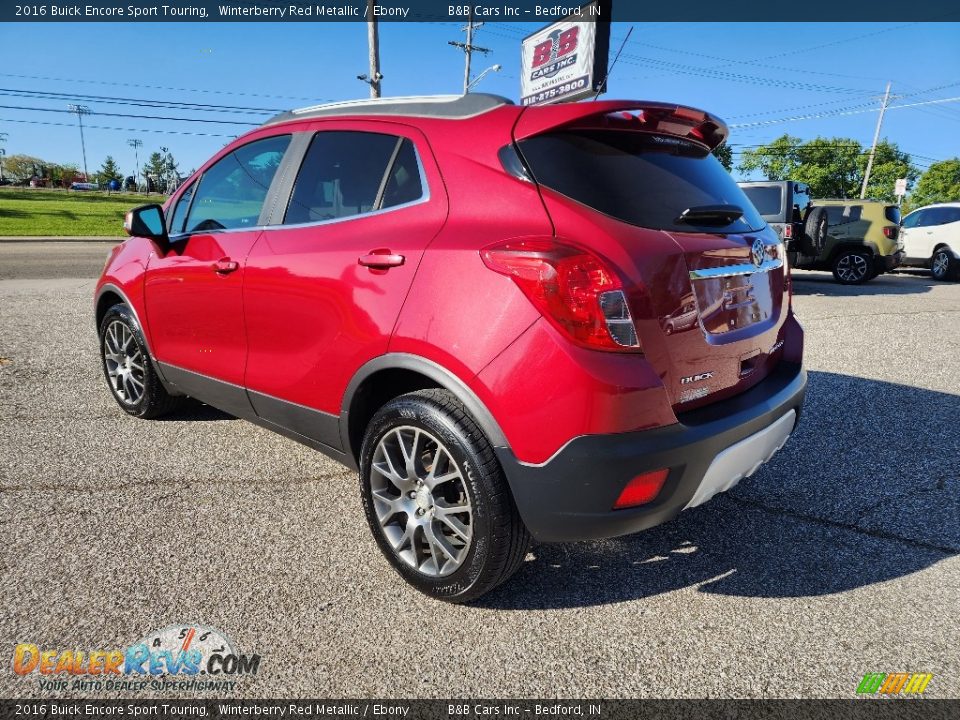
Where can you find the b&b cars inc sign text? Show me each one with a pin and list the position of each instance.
(568, 59)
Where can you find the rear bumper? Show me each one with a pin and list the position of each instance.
(571, 495)
(886, 263)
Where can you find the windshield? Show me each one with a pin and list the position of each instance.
(639, 178)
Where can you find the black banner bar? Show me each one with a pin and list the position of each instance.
(513, 11)
(859, 709)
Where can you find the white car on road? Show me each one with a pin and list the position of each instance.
(931, 239)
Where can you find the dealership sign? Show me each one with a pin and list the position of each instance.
(568, 59)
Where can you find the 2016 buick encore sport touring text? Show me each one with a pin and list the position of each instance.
(562, 322)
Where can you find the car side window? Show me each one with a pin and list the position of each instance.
(913, 219)
(349, 173)
(403, 185)
(231, 192)
(952, 215)
(843, 214)
(934, 216)
(175, 224)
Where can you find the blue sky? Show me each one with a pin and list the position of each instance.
(744, 72)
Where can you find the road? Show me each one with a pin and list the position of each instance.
(836, 559)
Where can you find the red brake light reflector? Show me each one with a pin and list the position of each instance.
(642, 489)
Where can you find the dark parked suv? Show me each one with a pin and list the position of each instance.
(564, 322)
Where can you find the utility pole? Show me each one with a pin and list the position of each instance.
(136, 144)
(469, 48)
(373, 45)
(876, 138)
(80, 111)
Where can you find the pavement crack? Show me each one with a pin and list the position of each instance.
(878, 534)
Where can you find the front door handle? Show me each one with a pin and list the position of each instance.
(381, 259)
(225, 265)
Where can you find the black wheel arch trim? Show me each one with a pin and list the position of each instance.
(845, 245)
(438, 374)
(110, 287)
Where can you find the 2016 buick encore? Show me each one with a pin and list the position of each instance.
(560, 322)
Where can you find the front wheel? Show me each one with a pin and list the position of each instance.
(852, 267)
(126, 364)
(944, 265)
(436, 499)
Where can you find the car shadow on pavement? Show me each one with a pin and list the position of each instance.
(810, 282)
(866, 490)
(194, 410)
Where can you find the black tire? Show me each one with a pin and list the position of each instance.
(943, 264)
(815, 229)
(498, 538)
(153, 400)
(853, 267)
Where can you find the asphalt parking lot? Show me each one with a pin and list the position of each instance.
(836, 559)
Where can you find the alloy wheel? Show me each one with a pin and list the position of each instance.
(421, 501)
(940, 264)
(852, 268)
(124, 361)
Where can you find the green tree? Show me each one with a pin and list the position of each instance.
(155, 165)
(62, 175)
(940, 183)
(833, 167)
(724, 153)
(109, 171)
(20, 168)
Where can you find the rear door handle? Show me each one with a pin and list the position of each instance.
(225, 265)
(381, 258)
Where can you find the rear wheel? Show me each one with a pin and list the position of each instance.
(436, 499)
(132, 379)
(943, 265)
(853, 267)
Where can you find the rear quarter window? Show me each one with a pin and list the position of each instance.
(892, 214)
(843, 214)
(639, 178)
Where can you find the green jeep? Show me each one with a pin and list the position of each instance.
(855, 239)
(864, 240)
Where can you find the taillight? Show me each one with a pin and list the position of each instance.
(787, 231)
(891, 231)
(572, 288)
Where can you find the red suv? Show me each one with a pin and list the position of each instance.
(562, 322)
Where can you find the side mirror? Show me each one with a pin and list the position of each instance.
(146, 221)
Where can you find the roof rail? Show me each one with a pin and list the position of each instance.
(439, 106)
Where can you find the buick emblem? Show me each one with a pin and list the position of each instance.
(757, 252)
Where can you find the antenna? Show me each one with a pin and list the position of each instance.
(603, 85)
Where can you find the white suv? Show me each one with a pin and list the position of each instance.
(931, 239)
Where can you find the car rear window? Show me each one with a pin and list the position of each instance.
(892, 213)
(767, 200)
(639, 178)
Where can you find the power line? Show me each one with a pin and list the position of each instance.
(162, 87)
(143, 102)
(119, 129)
(130, 115)
(838, 113)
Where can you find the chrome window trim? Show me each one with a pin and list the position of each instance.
(735, 270)
(424, 198)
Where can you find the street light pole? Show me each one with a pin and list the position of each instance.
(80, 111)
(136, 144)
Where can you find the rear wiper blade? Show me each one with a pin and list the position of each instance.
(710, 215)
